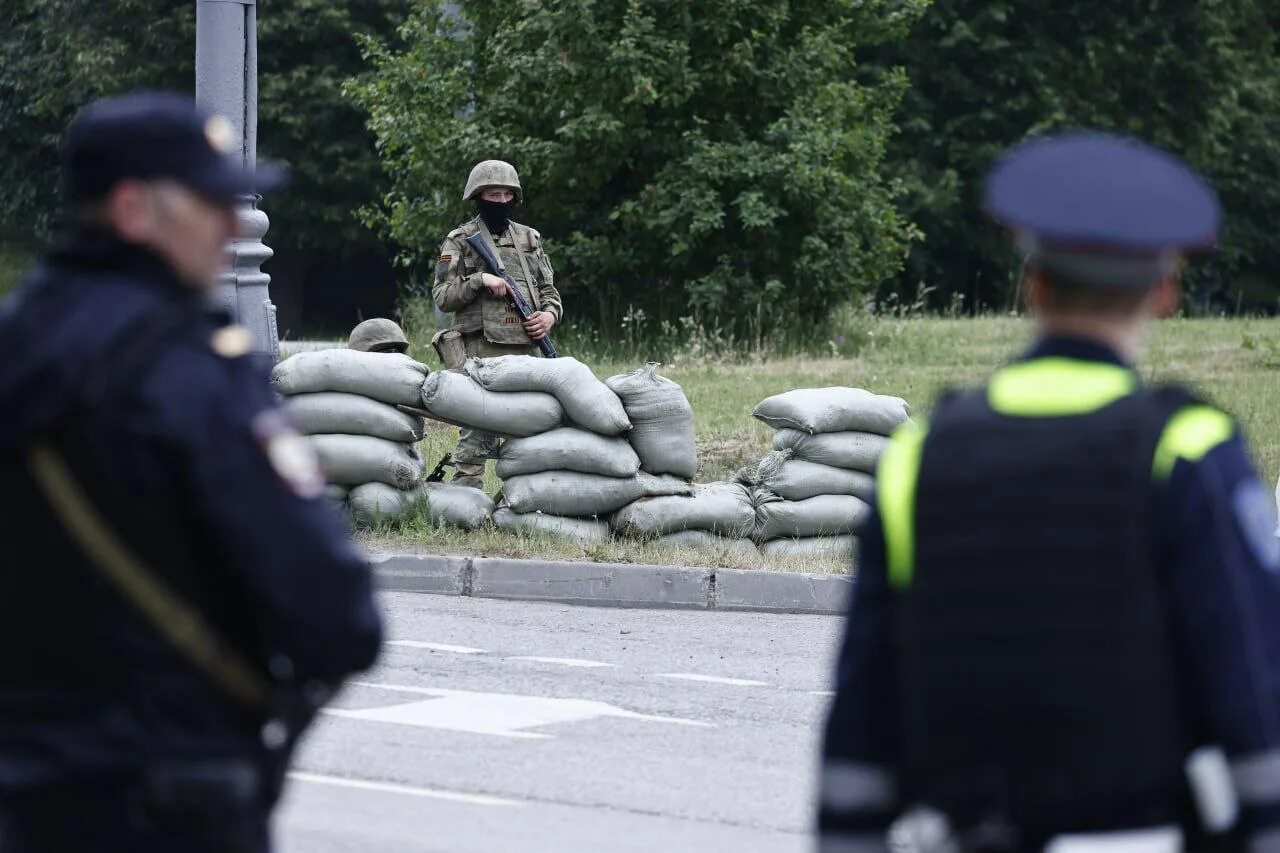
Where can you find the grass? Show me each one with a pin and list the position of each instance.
(1233, 362)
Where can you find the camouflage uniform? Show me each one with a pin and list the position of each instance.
(489, 326)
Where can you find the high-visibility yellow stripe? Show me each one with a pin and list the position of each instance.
(896, 477)
(1055, 386)
(1190, 434)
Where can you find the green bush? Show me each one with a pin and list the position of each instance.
(716, 160)
(1199, 78)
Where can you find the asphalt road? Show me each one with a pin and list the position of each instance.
(511, 726)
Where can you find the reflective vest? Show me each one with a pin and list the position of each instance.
(1037, 673)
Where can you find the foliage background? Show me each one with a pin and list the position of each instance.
(56, 55)
(718, 160)
(723, 170)
(1199, 78)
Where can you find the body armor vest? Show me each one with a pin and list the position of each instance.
(1037, 676)
(498, 320)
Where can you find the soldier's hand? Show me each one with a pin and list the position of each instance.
(494, 284)
(538, 324)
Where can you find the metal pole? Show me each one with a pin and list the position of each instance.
(227, 84)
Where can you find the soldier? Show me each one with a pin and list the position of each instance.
(483, 322)
(177, 600)
(378, 335)
(1069, 583)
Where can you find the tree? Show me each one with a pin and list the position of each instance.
(1199, 78)
(56, 55)
(718, 159)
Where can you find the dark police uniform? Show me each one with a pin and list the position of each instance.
(1069, 584)
(176, 598)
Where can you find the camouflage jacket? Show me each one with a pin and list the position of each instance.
(458, 288)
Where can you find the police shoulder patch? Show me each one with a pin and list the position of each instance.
(290, 454)
(231, 341)
(1256, 518)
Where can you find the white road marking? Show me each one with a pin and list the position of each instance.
(390, 788)
(712, 679)
(564, 661)
(822, 693)
(500, 714)
(438, 647)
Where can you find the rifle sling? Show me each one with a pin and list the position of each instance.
(172, 616)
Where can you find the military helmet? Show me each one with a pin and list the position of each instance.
(378, 335)
(492, 173)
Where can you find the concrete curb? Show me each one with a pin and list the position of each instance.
(613, 584)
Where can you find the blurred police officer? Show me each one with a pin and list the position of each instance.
(484, 323)
(1069, 583)
(176, 598)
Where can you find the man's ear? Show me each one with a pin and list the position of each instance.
(1032, 288)
(130, 210)
(1165, 297)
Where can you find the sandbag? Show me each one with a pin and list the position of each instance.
(857, 451)
(815, 410)
(702, 540)
(584, 530)
(797, 479)
(351, 414)
(838, 547)
(391, 377)
(718, 507)
(350, 460)
(825, 515)
(459, 506)
(459, 399)
(567, 449)
(442, 503)
(661, 421)
(336, 497)
(572, 493)
(587, 401)
(371, 503)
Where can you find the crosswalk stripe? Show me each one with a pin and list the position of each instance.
(712, 679)
(391, 788)
(564, 661)
(438, 647)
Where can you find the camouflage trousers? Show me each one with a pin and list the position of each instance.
(474, 447)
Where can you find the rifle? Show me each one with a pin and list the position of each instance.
(514, 299)
(437, 474)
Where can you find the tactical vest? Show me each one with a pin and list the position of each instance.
(498, 320)
(1037, 678)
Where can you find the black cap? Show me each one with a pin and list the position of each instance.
(158, 135)
(1106, 212)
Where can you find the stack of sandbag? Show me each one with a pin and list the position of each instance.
(716, 517)
(565, 464)
(346, 402)
(661, 421)
(812, 491)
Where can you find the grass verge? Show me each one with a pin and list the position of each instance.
(1235, 363)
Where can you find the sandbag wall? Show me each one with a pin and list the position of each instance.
(346, 402)
(567, 462)
(812, 491)
(709, 516)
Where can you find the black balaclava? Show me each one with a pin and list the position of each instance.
(496, 214)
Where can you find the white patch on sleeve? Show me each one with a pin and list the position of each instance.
(1256, 516)
(290, 454)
